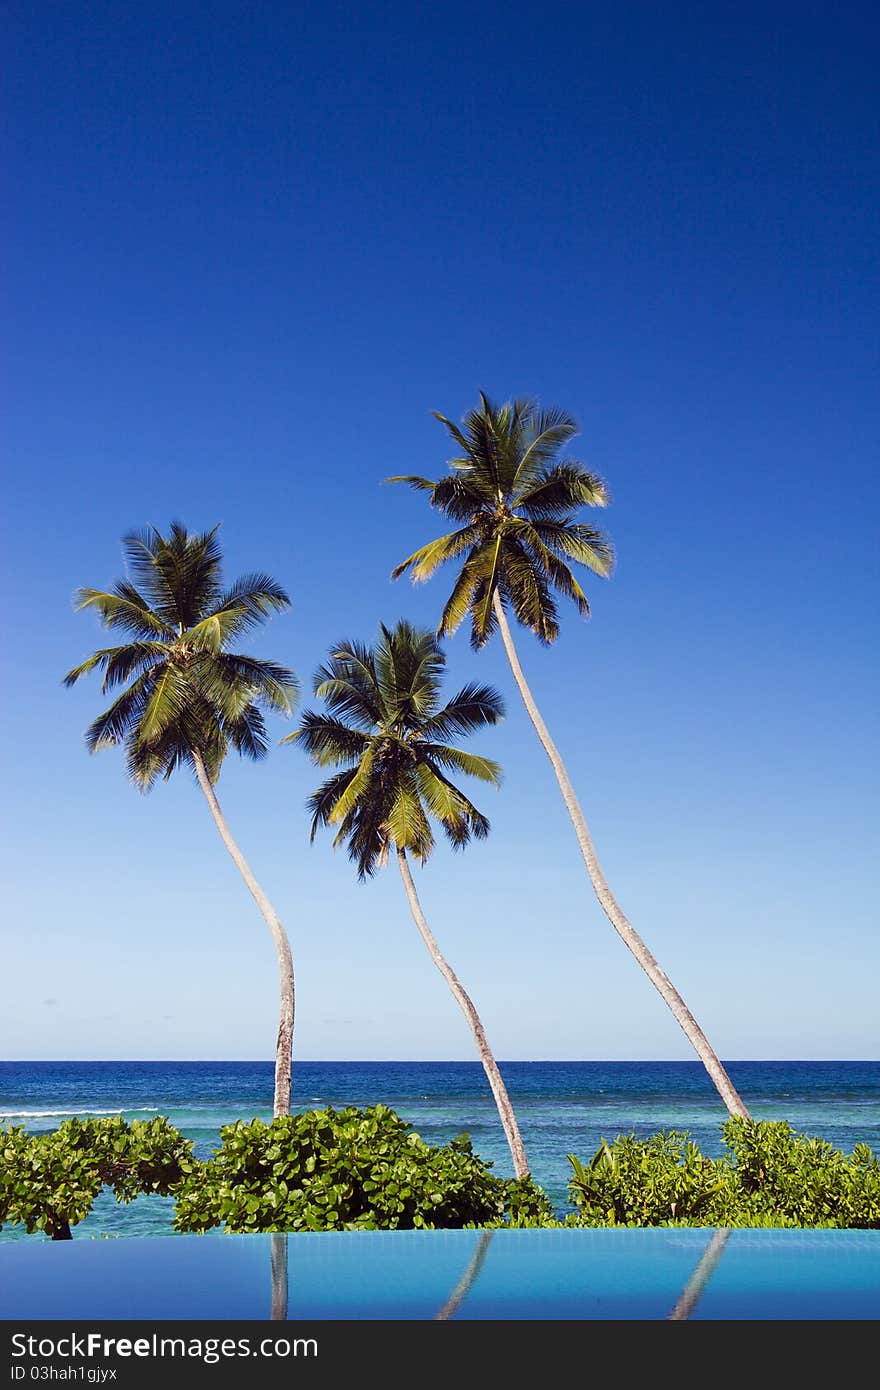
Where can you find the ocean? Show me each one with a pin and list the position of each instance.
(563, 1107)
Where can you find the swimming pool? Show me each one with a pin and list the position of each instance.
(664, 1273)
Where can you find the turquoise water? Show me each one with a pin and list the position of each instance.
(446, 1275)
(563, 1107)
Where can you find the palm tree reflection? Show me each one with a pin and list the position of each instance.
(700, 1277)
(279, 1277)
(468, 1279)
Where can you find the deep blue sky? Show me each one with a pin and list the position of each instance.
(252, 247)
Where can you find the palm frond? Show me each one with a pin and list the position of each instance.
(443, 800)
(428, 558)
(472, 707)
(347, 682)
(213, 632)
(357, 783)
(406, 822)
(349, 701)
(524, 585)
(457, 760)
(577, 542)
(254, 597)
(543, 433)
(556, 571)
(559, 490)
(139, 549)
(413, 480)
(119, 663)
(146, 764)
(483, 448)
(482, 616)
(270, 683)
(366, 829)
(165, 705)
(328, 741)
(122, 610)
(457, 814)
(456, 608)
(247, 732)
(453, 429)
(463, 496)
(321, 802)
(117, 723)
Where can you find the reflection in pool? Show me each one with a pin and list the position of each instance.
(671, 1273)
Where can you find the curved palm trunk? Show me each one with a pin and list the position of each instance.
(284, 1043)
(621, 924)
(465, 1003)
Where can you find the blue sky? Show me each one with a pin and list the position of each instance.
(252, 248)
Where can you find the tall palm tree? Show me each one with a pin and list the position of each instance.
(514, 500)
(384, 731)
(187, 697)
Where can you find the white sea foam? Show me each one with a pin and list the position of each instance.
(50, 1114)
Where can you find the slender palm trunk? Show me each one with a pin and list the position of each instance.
(465, 1003)
(610, 907)
(284, 1043)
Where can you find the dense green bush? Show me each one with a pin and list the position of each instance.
(329, 1170)
(801, 1180)
(648, 1182)
(366, 1169)
(48, 1182)
(770, 1176)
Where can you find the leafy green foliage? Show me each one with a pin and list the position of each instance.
(803, 1180)
(647, 1182)
(48, 1182)
(367, 1170)
(518, 499)
(329, 1170)
(770, 1176)
(185, 691)
(385, 732)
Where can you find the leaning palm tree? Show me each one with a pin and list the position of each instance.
(187, 697)
(515, 500)
(385, 732)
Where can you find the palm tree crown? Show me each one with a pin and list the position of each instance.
(518, 501)
(385, 730)
(185, 692)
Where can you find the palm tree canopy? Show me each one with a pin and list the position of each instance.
(385, 732)
(515, 500)
(185, 691)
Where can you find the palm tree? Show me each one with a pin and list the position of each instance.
(384, 731)
(187, 698)
(515, 500)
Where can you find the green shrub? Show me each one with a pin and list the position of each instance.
(802, 1180)
(366, 1169)
(329, 1170)
(48, 1182)
(770, 1176)
(648, 1182)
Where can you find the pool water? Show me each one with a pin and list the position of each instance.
(671, 1273)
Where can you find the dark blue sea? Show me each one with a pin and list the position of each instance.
(563, 1107)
